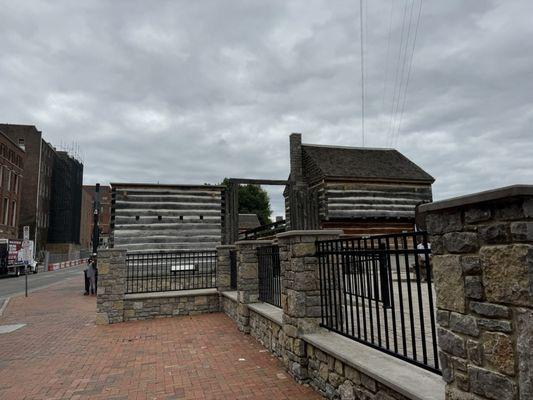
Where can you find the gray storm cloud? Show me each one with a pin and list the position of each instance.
(180, 91)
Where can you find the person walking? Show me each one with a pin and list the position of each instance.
(86, 278)
(91, 274)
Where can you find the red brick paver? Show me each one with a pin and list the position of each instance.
(62, 354)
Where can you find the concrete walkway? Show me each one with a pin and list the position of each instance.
(61, 354)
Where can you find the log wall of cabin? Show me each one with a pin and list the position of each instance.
(151, 218)
(372, 208)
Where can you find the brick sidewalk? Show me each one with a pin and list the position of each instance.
(62, 354)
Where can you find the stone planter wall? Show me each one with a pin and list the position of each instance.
(229, 307)
(111, 286)
(169, 306)
(267, 332)
(483, 269)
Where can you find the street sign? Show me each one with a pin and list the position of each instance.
(26, 251)
(26, 232)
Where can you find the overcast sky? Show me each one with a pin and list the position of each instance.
(193, 91)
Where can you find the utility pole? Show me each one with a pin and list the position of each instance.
(96, 212)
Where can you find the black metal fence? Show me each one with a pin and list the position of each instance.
(167, 271)
(233, 269)
(269, 273)
(378, 291)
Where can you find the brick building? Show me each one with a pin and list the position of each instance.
(360, 190)
(11, 170)
(65, 204)
(86, 229)
(37, 187)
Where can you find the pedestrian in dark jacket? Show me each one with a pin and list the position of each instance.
(91, 275)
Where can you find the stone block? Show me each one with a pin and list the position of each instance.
(498, 352)
(471, 265)
(524, 346)
(443, 223)
(102, 318)
(490, 310)
(495, 233)
(352, 375)
(509, 212)
(451, 343)
(505, 274)
(443, 318)
(475, 352)
(449, 283)
(461, 242)
(369, 383)
(494, 325)
(335, 379)
(446, 367)
(474, 215)
(474, 287)
(346, 391)
(303, 249)
(462, 323)
(522, 231)
(492, 385)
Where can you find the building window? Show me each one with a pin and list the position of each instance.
(6, 211)
(136, 218)
(159, 217)
(8, 180)
(14, 216)
(15, 183)
(201, 217)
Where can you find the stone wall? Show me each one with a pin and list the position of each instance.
(483, 268)
(229, 307)
(159, 307)
(267, 332)
(335, 379)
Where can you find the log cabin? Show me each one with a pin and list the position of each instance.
(363, 191)
(153, 218)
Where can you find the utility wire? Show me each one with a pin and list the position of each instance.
(409, 72)
(387, 69)
(362, 74)
(396, 75)
(403, 72)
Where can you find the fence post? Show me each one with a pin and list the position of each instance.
(300, 293)
(384, 276)
(223, 277)
(482, 248)
(247, 279)
(111, 286)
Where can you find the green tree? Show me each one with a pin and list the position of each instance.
(253, 199)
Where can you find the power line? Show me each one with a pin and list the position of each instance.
(409, 72)
(387, 69)
(362, 74)
(402, 73)
(396, 75)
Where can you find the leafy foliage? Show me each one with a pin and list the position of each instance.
(253, 200)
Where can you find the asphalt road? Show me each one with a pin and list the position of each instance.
(13, 285)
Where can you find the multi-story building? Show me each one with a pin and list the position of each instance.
(65, 205)
(87, 210)
(37, 187)
(11, 169)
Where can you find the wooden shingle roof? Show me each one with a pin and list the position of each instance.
(321, 162)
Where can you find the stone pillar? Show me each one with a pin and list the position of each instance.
(223, 267)
(111, 286)
(300, 293)
(482, 248)
(247, 279)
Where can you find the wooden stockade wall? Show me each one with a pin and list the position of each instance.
(151, 218)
